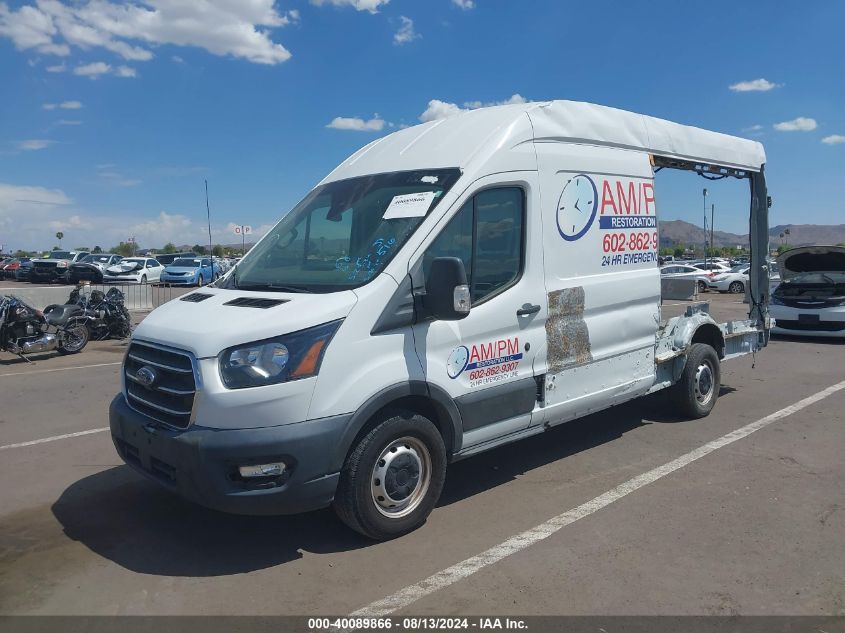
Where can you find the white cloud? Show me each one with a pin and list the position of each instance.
(441, 109)
(754, 85)
(834, 139)
(92, 70)
(361, 5)
(376, 124)
(753, 128)
(178, 59)
(69, 122)
(34, 144)
(801, 124)
(406, 32)
(239, 29)
(58, 68)
(64, 105)
(466, 5)
(125, 71)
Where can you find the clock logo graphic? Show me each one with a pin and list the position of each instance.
(577, 207)
(457, 362)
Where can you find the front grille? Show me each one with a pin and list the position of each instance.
(806, 326)
(810, 304)
(170, 398)
(45, 265)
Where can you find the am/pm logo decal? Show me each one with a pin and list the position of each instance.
(485, 363)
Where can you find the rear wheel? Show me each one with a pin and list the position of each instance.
(736, 287)
(702, 287)
(201, 280)
(75, 339)
(697, 390)
(393, 477)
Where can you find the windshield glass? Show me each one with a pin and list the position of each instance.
(60, 255)
(343, 233)
(184, 261)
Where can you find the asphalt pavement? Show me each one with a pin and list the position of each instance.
(752, 523)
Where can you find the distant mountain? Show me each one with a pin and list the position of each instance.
(679, 232)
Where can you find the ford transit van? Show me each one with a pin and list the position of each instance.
(448, 288)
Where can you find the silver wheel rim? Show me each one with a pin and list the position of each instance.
(736, 287)
(77, 336)
(401, 477)
(704, 383)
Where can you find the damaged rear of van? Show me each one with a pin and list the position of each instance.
(448, 288)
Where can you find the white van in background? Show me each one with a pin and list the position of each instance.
(448, 288)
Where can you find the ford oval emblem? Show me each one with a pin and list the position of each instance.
(146, 376)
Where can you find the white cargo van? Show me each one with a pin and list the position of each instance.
(448, 288)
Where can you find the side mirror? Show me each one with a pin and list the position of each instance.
(446, 290)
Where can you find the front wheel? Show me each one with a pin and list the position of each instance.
(201, 281)
(143, 280)
(75, 339)
(736, 287)
(393, 477)
(696, 391)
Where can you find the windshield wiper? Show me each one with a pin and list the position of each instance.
(274, 288)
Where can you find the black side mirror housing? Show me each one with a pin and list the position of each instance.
(447, 295)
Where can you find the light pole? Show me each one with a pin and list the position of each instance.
(712, 212)
(704, 195)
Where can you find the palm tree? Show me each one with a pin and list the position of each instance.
(786, 233)
(59, 237)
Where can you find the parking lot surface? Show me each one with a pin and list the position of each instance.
(755, 525)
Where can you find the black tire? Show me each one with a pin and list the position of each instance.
(702, 287)
(200, 281)
(143, 280)
(358, 489)
(687, 394)
(736, 287)
(78, 345)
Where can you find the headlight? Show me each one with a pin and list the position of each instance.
(274, 360)
(61, 265)
(775, 300)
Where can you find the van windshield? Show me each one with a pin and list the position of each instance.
(343, 233)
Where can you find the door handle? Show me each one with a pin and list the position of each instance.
(528, 309)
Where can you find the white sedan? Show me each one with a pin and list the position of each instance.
(134, 270)
(734, 281)
(674, 271)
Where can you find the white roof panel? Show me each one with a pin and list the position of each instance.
(475, 138)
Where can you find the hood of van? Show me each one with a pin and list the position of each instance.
(207, 321)
(811, 259)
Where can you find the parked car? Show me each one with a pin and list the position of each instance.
(134, 270)
(92, 267)
(55, 266)
(9, 268)
(23, 271)
(734, 281)
(701, 277)
(810, 300)
(711, 266)
(190, 271)
(166, 259)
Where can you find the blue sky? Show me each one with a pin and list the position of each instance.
(113, 113)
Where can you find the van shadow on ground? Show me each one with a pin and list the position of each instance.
(132, 522)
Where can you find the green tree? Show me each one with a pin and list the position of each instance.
(87, 249)
(199, 249)
(124, 248)
(678, 252)
(217, 251)
(56, 248)
(170, 247)
(97, 249)
(59, 237)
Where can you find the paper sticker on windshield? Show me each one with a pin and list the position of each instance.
(409, 205)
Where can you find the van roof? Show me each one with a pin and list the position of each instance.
(477, 136)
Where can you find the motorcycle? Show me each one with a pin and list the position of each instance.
(25, 330)
(106, 315)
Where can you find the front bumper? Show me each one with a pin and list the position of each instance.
(186, 280)
(200, 463)
(89, 274)
(50, 274)
(808, 321)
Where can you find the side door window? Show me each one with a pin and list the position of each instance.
(488, 235)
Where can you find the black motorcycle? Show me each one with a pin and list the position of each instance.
(25, 330)
(106, 315)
